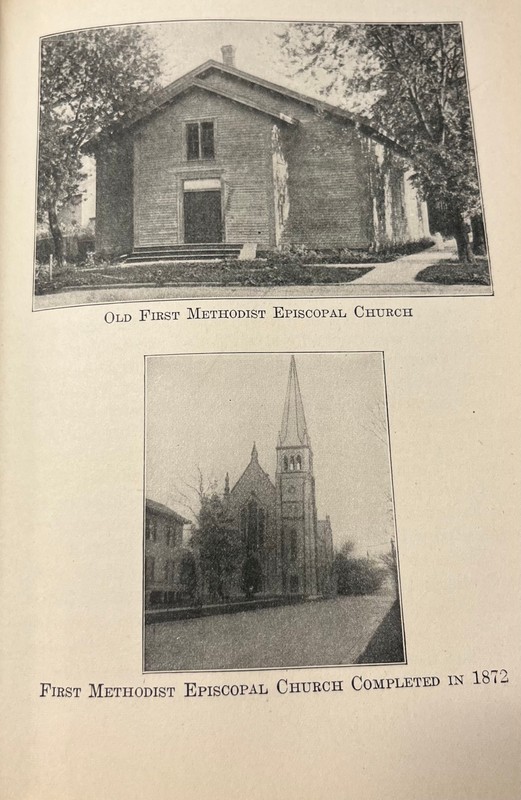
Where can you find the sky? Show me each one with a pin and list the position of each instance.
(204, 412)
(186, 45)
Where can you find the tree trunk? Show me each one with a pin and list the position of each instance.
(479, 243)
(57, 236)
(461, 233)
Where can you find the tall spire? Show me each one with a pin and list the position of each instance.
(293, 431)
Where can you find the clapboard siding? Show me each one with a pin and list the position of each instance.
(242, 161)
(322, 183)
(329, 193)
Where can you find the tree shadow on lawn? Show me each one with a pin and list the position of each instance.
(455, 272)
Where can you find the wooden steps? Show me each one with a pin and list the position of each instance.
(183, 252)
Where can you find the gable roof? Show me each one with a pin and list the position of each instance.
(191, 80)
(254, 474)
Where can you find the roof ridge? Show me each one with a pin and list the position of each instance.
(162, 96)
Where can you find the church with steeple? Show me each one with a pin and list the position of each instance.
(287, 549)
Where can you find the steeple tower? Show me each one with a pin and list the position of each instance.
(294, 429)
(294, 447)
(296, 494)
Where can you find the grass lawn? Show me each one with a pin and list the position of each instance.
(452, 272)
(223, 273)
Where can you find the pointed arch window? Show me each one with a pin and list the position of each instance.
(298, 463)
(244, 524)
(293, 545)
(292, 464)
(253, 525)
(261, 525)
(285, 463)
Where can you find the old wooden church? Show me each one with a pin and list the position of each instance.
(222, 162)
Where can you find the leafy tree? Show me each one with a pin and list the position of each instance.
(356, 575)
(188, 574)
(410, 81)
(89, 80)
(217, 544)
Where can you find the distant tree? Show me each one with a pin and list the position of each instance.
(88, 81)
(390, 564)
(356, 575)
(409, 80)
(217, 544)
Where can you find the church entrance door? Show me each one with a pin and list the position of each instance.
(202, 217)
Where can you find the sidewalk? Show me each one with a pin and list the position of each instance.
(405, 269)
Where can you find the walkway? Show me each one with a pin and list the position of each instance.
(405, 269)
(325, 632)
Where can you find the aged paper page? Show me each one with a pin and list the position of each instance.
(304, 421)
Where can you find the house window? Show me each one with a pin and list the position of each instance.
(199, 141)
(169, 572)
(151, 530)
(149, 568)
(171, 536)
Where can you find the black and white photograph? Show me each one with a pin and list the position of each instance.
(208, 159)
(269, 523)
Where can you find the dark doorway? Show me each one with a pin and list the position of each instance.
(203, 219)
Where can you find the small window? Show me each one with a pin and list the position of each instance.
(298, 463)
(149, 568)
(292, 464)
(199, 141)
(169, 571)
(151, 530)
(207, 149)
(285, 463)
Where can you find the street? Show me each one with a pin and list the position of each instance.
(325, 632)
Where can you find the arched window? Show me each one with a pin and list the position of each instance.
(299, 463)
(293, 545)
(253, 528)
(244, 524)
(285, 462)
(291, 464)
(261, 527)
